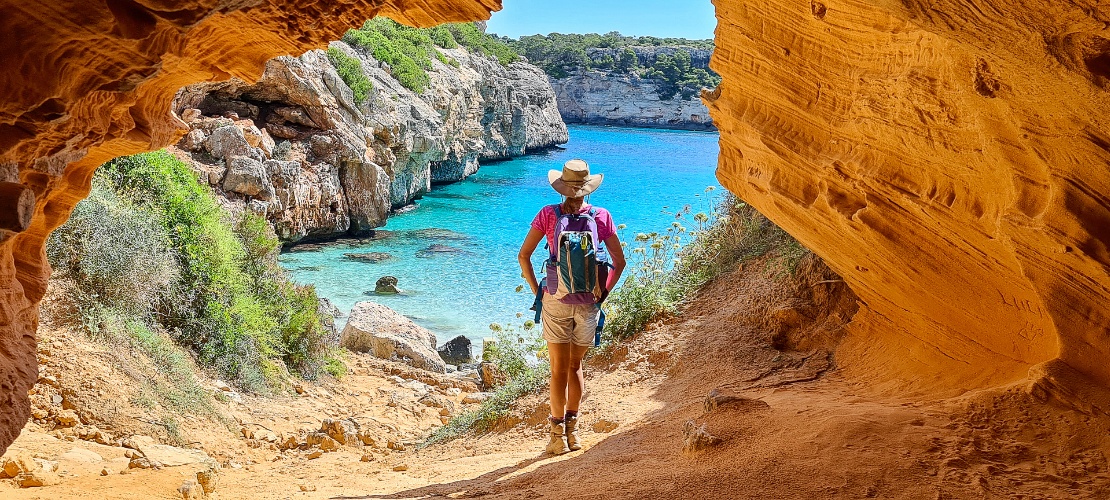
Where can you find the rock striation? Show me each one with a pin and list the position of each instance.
(949, 160)
(85, 82)
(297, 148)
(610, 98)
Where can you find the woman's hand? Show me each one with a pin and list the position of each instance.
(524, 258)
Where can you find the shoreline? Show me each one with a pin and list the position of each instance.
(349, 238)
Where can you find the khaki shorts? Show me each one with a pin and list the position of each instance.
(568, 323)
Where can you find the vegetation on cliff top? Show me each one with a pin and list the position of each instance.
(152, 250)
(409, 51)
(560, 55)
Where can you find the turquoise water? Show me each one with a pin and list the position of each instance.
(649, 174)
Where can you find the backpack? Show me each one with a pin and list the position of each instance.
(578, 267)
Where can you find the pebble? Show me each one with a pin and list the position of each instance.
(401, 468)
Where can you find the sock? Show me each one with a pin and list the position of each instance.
(570, 414)
(556, 420)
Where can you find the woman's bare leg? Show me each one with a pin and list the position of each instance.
(575, 378)
(560, 355)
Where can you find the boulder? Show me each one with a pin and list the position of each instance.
(342, 431)
(245, 175)
(386, 334)
(227, 141)
(456, 351)
(386, 285)
(166, 455)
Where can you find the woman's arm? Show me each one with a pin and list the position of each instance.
(616, 253)
(524, 257)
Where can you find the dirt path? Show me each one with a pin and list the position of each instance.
(783, 424)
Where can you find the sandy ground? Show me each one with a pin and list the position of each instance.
(786, 424)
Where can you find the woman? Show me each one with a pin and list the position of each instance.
(569, 328)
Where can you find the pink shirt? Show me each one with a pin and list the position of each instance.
(545, 222)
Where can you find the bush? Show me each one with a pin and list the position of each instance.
(470, 36)
(350, 70)
(406, 50)
(209, 279)
(409, 51)
(114, 255)
(666, 269)
(559, 55)
(515, 354)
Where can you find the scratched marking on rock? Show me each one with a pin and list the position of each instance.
(1021, 304)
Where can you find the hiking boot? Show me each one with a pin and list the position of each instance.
(557, 446)
(571, 426)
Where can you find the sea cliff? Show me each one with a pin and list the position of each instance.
(610, 98)
(300, 148)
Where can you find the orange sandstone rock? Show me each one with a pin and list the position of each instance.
(949, 159)
(84, 82)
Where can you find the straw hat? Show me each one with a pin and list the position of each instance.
(575, 180)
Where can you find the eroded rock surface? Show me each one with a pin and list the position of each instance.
(85, 82)
(948, 159)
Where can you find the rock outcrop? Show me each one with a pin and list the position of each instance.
(950, 160)
(609, 98)
(387, 334)
(297, 148)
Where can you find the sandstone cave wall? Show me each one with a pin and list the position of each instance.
(84, 82)
(949, 159)
(298, 149)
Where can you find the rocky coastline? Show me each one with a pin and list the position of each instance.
(297, 148)
(593, 97)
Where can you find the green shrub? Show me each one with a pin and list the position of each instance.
(515, 354)
(666, 269)
(409, 51)
(442, 37)
(470, 36)
(350, 70)
(209, 279)
(114, 255)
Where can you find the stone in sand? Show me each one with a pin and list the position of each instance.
(387, 334)
(723, 397)
(696, 438)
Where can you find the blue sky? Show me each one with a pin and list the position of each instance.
(661, 18)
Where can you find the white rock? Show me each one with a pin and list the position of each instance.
(387, 334)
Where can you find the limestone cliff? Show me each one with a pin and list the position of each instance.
(299, 149)
(950, 160)
(609, 98)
